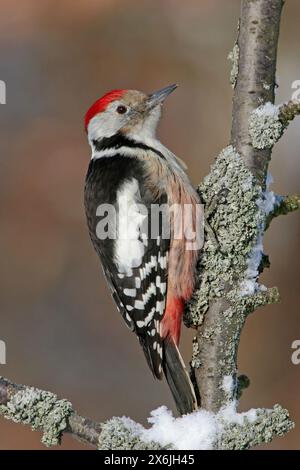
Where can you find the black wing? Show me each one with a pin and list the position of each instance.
(140, 294)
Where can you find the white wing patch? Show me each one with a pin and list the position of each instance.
(129, 249)
(130, 292)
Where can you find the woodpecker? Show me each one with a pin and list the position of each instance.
(151, 277)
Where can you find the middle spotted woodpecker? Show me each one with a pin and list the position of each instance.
(151, 272)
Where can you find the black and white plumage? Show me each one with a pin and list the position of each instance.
(137, 274)
(150, 275)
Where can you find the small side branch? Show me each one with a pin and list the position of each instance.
(43, 411)
(288, 111)
(268, 122)
(285, 205)
(81, 428)
(267, 425)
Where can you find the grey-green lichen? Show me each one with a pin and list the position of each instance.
(265, 126)
(247, 304)
(267, 425)
(236, 222)
(195, 362)
(288, 111)
(284, 205)
(124, 434)
(41, 410)
(233, 56)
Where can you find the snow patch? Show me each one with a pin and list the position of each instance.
(229, 414)
(268, 109)
(228, 384)
(266, 204)
(189, 432)
(196, 431)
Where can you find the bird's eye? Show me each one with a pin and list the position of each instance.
(121, 109)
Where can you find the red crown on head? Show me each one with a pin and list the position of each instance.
(101, 104)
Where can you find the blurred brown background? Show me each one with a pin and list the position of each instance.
(62, 331)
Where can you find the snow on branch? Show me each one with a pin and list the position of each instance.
(283, 206)
(200, 430)
(268, 122)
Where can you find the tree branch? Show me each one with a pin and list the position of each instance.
(257, 42)
(284, 205)
(81, 428)
(267, 425)
(20, 404)
(288, 111)
(227, 288)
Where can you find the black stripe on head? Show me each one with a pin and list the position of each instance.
(119, 140)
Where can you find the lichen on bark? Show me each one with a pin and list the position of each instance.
(233, 56)
(235, 222)
(123, 434)
(41, 410)
(269, 423)
(265, 126)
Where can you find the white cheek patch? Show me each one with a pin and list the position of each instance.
(106, 123)
(145, 131)
(129, 249)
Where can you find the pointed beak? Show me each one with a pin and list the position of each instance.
(158, 97)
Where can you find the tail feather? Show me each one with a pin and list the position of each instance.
(178, 378)
(154, 360)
